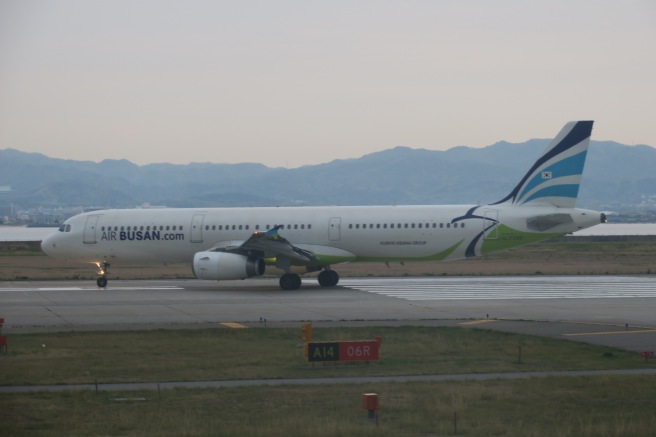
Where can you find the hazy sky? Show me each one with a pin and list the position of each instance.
(288, 83)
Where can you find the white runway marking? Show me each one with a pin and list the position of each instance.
(173, 287)
(547, 287)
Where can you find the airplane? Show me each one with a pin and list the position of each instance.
(238, 243)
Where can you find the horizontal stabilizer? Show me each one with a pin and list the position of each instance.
(546, 222)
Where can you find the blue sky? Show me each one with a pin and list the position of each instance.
(289, 83)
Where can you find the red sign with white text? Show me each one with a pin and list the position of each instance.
(359, 350)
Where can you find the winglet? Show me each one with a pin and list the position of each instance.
(273, 232)
(555, 177)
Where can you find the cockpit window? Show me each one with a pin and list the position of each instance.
(68, 228)
(62, 228)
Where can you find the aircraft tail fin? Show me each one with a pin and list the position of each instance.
(555, 177)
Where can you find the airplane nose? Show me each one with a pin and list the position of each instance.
(48, 245)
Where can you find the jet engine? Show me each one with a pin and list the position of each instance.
(225, 266)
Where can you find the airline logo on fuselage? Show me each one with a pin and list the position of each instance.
(141, 236)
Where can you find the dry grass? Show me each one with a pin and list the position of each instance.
(582, 406)
(27, 262)
(262, 353)
(566, 407)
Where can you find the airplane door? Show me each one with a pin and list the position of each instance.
(491, 218)
(197, 228)
(90, 229)
(334, 226)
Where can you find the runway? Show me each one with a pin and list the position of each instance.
(495, 288)
(610, 310)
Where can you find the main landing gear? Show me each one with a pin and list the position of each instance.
(292, 281)
(328, 278)
(103, 270)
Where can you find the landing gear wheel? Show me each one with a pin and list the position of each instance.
(103, 270)
(328, 278)
(290, 281)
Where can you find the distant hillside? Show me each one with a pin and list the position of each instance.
(615, 175)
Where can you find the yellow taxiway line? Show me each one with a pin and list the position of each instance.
(478, 322)
(234, 325)
(575, 334)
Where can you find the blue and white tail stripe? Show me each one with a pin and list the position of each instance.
(555, 177)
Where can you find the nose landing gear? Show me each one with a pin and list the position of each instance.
(103, 270)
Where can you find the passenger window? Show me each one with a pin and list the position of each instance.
(309, 226)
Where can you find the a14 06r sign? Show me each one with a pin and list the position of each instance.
(367, 350)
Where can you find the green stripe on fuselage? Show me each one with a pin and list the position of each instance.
(504, 238)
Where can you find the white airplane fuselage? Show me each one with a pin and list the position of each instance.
(364, 233)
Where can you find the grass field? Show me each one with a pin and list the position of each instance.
(582, 406)
(224, 354)
(25, 261)
(565, 407)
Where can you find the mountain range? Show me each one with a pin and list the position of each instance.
(616, 176)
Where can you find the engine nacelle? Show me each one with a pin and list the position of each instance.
(225, 266)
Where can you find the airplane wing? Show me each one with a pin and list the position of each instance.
(267, 245)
